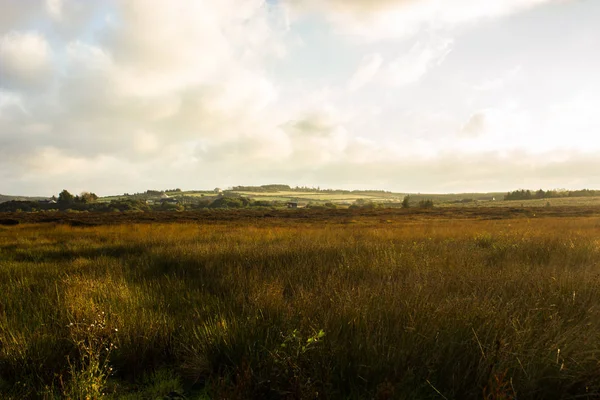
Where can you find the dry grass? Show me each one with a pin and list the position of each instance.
(534, 203)
(365, 308)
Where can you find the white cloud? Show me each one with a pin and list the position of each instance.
(317, 138)
(25, 60)
(55, 8)
(15, 13)
(569, 126)
(499, 82)
(405, 69)
(11, 104)
(179, 72)
(475, 126)
(366, 71)
(384, 19)
(146, 142)
(150, 86)
(412, 66)
(203, 94)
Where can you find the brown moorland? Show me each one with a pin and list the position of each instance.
(409, 304)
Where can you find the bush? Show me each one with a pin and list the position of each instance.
(406, 202)
(426, 203)
(230, 202)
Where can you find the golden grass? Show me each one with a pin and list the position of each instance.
(407, 308)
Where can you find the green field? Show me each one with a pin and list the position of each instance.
(477, 200)
(418, 307)
(317, 196)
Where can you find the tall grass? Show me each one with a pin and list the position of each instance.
(412, 310)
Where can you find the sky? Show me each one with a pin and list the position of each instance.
(430, 96)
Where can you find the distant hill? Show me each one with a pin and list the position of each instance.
(5, 198)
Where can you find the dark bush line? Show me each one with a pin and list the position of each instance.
(285, 216)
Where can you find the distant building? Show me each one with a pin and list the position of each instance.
(48, 201)
(292, 204)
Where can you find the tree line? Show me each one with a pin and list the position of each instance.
(523, 194)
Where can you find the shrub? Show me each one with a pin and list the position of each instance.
(426, 204)
(406, 202)
(230, 202)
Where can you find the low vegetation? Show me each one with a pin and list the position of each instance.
(365, 306)
(277, 196)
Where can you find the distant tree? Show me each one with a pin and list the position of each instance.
(549, 194)
(519, 195)
(87, 197)
(65, 198)
(406, 202)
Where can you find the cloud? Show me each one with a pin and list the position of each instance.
(385, 19)
(182, 73)
(368, 68)
(153, 82)
(455, 173)
(499, 82)
(129, 95)
(11, 104)
(405, 69)
(55, 8)
(317, 137)
(475, 126)
(19, 12)
(25, 60)
(412, 66)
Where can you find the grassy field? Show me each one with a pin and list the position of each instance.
(440, 304)
(319, 197)
(479, 200)
(440, 200)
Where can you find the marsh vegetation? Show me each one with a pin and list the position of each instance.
(285, 308)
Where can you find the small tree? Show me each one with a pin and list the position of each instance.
(65, 198)
(87, 197)
(406, 202)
